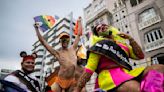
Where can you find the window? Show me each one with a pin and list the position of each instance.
(139, 1)
(96, 22)
(147, 14)
(102, 3)
(88, 11)
(96, 6)
(135, 2)
(101, 20)
(154, 35)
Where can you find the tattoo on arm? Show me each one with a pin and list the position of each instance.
(83, 80)
(136, 48)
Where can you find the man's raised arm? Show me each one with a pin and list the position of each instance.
(44, 43)
(77, 39)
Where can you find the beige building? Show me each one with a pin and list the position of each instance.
(147, 24)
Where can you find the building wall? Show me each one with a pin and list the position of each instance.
(155, 22)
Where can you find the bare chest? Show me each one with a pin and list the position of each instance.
(68, 56)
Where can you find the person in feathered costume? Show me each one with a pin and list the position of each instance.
(109, 58)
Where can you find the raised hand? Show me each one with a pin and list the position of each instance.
(79, 26)
(36, 25)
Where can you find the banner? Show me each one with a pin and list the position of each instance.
(113, 51)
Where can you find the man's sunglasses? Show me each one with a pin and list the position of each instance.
(64, 40)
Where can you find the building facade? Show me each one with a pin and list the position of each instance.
(147, 22)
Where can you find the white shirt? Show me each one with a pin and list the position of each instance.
(14, 79)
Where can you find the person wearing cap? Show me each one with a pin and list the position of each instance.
(24, 78)
(109, 58)
(67, 59)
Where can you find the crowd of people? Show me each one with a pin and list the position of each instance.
(109, 57)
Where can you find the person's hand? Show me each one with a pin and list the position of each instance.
(79, 19)
(36, 25)
(79, 26)
(125, 36)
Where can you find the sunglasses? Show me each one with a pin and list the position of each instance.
(64, 40)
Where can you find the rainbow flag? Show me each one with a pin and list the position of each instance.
(46, 22)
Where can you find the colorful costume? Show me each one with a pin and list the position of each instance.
(110, 60)
(64, 83)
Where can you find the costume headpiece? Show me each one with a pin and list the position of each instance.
(25, 57)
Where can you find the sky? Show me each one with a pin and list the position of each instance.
(16, 22)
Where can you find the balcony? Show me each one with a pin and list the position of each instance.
(149, 22)
(155, 45)
(97, 12)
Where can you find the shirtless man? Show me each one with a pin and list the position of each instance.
(67, 59)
